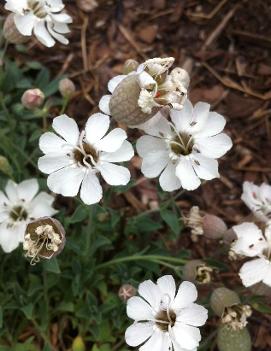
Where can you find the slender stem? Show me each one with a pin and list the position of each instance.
(152, 258)
(64, 105)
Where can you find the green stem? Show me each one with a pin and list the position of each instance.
(152, 258)
(64, 105)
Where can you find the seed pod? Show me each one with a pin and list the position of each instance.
(32, 99)
(213, 226)
(124, 103)
(44, 238)
(11, 32)
(66, 88)
(130, 65)
(196, 271)
(222, 298)
(229, 236)
(233, 340)
(78, 344)
(126, 291)
(261, 289)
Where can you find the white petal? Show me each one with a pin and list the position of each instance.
(186, 174)
(66, 181)
(96, 127)
(61, 28)
(104, 104)
(112, 141)
(167, 286)
(53, 162)
(51, 143)
(41, 206)
(182, 118)
(151, 293)
(250, 242)
(187, 294)
(25, 23)
(11, 191)
(156, 126)
(28, 189)
(59, 37)
(194, 314)
(62, 17)
(43, 35)
(168, 179)
(159, 341)
(3, 199)
(186, 336)
(254, 271)
(214, 147)
(15, 5)
(213, 126)
(114, 82)
(137, 333)
(114, 174)
(154, 163)
(205, 168)
(10, 237)
(91, 191)
(124, 153)
(145, 80)
(148, 144)
(267, 277)
(67, 128)
(138, 309)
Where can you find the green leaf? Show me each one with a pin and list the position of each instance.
(51, 265)
(28, 311)
(171, 220)
(80, 214)
(1, 317)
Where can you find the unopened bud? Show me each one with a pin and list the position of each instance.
(78, 344)
(213, 226)
(66, 88)
(44, 238)
(198, 272)
(222, 298)
(11, 32)
(126, 291)
(130, 65)
(32, 99)
(261, 289)
(233, 340)
(5, 166)
(87, 5)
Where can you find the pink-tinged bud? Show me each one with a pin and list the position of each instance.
(66, 88)
(11, 33)
(126, 291)
(213, 226)
(32, 98)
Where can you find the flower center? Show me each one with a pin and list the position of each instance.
(164, 319)
(37, 7)
(182, 144)
(236, 316)
(18, 213)
(86, 156)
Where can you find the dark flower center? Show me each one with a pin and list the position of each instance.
(88, 155)
(182, 144)
(37, 6)
(18, 213)
(164, 319)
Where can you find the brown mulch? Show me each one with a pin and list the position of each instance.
(226, 43)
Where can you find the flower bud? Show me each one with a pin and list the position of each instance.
(126, 291)
(44, 238)
(213, 226)
(130, 65)
(233, 340)
(87, 5)
(66, 88)
(5, 166)
(198, 272)
(78, 344)
(32, 98)
(11, 33)
(222, 298)
(229, 236)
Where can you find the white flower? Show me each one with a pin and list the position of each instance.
(165, 320)
(185, 150)
(19, 205)
(258, 199)
(43, 17)
(73, 159)
(253, 242)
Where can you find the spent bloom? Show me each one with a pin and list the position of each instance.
(258, 199)
(140, 94)
(44, 18)
(19, 205)
(73, 158)
(254, 243)
(165, 319)
(184, 150)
